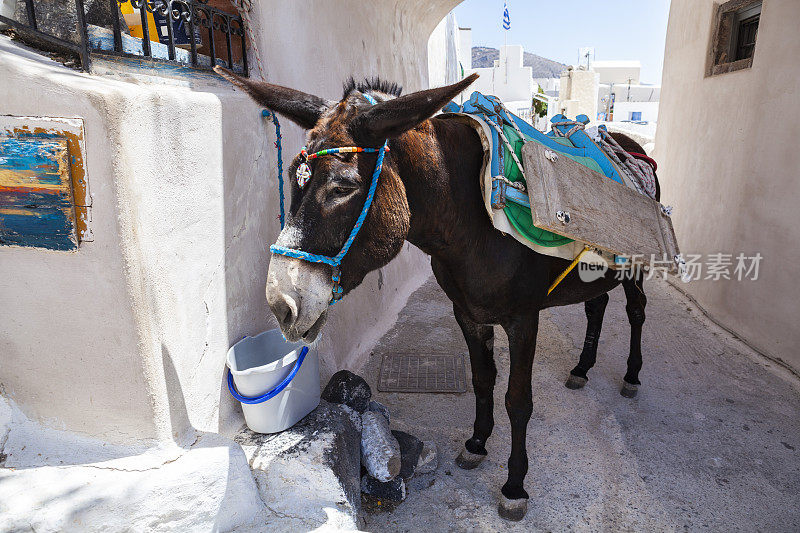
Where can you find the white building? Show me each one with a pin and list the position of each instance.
(550, 86)
(618, 71)
(605, 91)
(444, 54)
(622, 96)
(464, 36)
(450, 59)
(578, 92)
(509, 80)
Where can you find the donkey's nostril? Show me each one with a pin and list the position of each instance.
(285, 308)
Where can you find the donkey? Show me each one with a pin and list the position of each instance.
(429, 194)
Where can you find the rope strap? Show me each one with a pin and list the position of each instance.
(639, 171)
(576, 126)
(244, 7)
(268, 114)
(510, 149)
(567, 270)
(645, 157)
(518, 185)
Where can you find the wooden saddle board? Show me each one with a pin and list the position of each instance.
(573, 200)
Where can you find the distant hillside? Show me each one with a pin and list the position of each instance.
(484, 56)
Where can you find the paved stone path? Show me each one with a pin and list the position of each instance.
(712, 442)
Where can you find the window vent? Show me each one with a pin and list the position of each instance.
(733, 41)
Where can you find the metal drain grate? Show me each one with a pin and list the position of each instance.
(406, 372)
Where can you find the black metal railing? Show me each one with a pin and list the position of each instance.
(210, 34)
(30, 32)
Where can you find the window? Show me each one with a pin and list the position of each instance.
(746, 29)
(733, 42)
(636, 116)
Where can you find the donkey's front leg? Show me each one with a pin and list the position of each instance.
(480, 342)
(519, 404)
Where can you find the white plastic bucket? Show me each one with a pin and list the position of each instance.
(260, 364)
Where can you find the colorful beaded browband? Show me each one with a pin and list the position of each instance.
(342, 150)
(304, 172)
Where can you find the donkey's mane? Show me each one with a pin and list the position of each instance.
(371, 84)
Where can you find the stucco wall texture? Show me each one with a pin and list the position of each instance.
(126, 338)
(728, 161)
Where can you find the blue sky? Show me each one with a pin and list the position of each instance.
(555, 29)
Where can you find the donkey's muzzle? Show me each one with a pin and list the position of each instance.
(298, 293)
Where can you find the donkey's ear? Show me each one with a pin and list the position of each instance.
(299, 107)
(391, 118)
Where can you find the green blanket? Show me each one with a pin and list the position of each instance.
(520, 216)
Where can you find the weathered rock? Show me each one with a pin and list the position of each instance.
(393, 490)
(410, 448)
(378, 407)
(311, 471)
(349, 389)
(380, 451)
(428, 459)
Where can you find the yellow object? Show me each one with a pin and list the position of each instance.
(563, 275)
(134, 20)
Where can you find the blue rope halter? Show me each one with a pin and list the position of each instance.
(335, 261)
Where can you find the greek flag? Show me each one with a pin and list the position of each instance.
(506, 17)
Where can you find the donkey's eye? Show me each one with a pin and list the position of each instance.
(340, 190)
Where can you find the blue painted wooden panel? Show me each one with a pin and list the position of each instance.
(36, 197)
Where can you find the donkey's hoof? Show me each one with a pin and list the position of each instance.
(468, 460)
(575, 382)
(629, 390)
(513, 510)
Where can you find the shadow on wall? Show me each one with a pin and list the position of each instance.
(178, 413)
(250, 191)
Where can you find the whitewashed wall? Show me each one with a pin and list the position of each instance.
(443, 53)
(465, 47)
(125, 339)
(728, 161)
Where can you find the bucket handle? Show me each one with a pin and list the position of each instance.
(269, 394)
